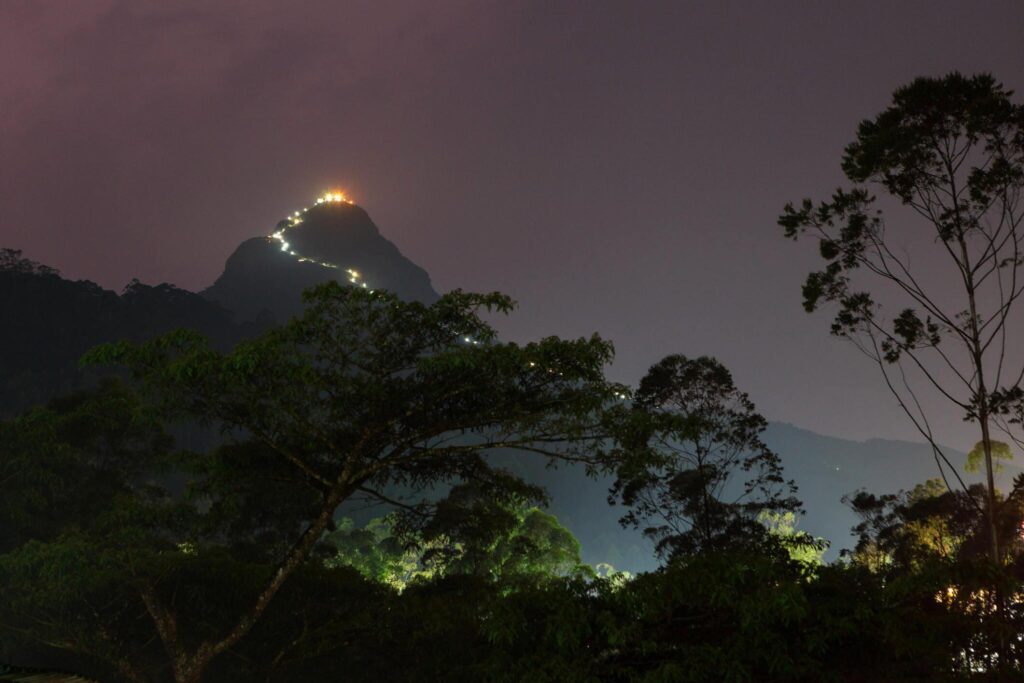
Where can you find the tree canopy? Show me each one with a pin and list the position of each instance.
(362, 396)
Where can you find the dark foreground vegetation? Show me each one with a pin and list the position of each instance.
(124, 556)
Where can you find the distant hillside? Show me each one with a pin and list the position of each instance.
(49, 322)
(825, 469)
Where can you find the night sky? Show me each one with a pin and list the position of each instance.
(615, 167)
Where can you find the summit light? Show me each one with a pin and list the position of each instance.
(334, 197)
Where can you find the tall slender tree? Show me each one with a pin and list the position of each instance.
(950, 151)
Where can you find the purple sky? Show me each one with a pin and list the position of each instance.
(615, 167)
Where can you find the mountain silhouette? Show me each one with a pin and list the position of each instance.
(332, 240)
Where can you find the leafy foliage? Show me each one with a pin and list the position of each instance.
(506, 543)
(688, 436)
(976, 458)
(61, 465)
(376, 551)
(799, 545)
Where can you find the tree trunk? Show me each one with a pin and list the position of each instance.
(189, 667)
(986, 444)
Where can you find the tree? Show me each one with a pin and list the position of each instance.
(801, 547)
(931, 535)
(375, 551)
(470, 532)
(61, 464)
(909, 527)
(77, 489)
(12, 261)
(362, 396)
(998, 450)
(685, 442)
(951, 151)
(503, 538)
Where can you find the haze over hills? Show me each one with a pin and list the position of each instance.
(51, 321)
(825, 469)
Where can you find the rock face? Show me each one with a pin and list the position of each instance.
(265, 276)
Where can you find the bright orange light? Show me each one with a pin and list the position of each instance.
(334, 196)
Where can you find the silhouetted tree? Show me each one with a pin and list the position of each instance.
(950, 150)
(688, 439)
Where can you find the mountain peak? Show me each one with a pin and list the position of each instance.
(332, 239)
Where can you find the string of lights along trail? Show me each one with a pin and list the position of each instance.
(296, 219)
